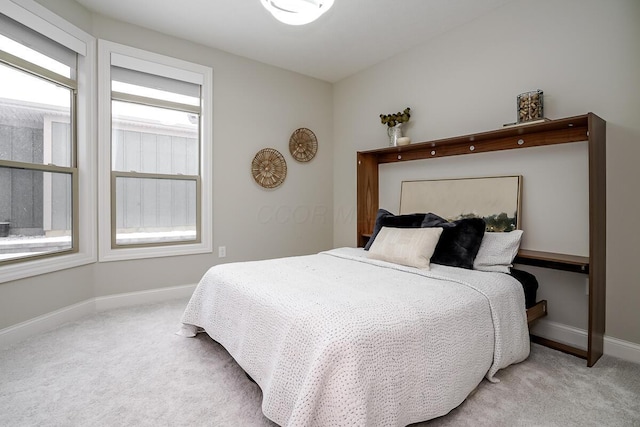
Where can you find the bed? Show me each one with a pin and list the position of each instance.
(397, 332)
(339, 338)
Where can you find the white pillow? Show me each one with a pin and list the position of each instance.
(497, 251)
(412, 247)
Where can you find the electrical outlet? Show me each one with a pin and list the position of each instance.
(222, 251)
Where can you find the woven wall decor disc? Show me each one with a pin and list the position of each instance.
(269, 168)
(303, 145)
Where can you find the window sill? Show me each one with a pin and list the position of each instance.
(124, 254)
(27, 269)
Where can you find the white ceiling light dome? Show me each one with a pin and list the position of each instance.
(297, 12)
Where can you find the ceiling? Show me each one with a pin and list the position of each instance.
(353, 35)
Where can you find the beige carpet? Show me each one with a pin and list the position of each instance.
(126, 367)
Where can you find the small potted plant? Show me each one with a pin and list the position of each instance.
(394, 124)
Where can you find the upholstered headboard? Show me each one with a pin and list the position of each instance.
(495, 199)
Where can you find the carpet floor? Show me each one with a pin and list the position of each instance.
(126, 367)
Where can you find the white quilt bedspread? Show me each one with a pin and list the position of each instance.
(337, 339)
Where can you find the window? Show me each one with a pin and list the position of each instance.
(45, 213)
(155, 154)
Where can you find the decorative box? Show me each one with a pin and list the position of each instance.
(530, 106)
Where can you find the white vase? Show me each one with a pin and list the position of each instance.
(394, 133)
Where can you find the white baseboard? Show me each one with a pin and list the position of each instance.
(21, 331)
(577, 337)
(560, 332)
(46, 322)
(622, 349)
(110, 302)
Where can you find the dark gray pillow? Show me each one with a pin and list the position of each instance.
(385, 218)
(459, 242)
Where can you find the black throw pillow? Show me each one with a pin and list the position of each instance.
(459, 241)
(385, 218)
(433, 220)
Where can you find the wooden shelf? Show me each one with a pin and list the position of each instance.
(588, 127)
(574, 263)
(537, 311)
(571, 129)
(575, 351)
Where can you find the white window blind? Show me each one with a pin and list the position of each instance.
(36, 41)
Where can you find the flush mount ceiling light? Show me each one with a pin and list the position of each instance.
(297, 12)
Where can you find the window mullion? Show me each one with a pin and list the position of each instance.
(37, 167)
(146, 175)
(23, 65)
(154, 102)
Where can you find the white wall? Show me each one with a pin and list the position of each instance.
(255, 106)
(584, 55)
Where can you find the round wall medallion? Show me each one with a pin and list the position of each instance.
(269, 168)
(303, 145)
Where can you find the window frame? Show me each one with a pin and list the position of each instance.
(45, 22)
(110, 53)
(36, 71)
